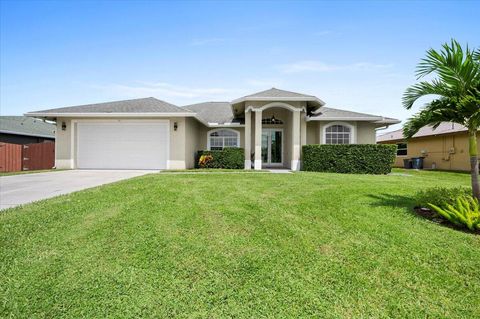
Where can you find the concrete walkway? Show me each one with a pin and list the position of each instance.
(26, 188)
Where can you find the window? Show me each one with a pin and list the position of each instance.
(219, 139)
(338, 134)
(271, 120)
(401, 149)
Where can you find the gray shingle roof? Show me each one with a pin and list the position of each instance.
(443, 128)
(276, 93)
(145, 105)
(328, 113)
(23, 125)
(212, 112)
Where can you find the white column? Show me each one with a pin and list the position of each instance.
(248, 139)
(303, 135)
(295, 164)
(258, 140)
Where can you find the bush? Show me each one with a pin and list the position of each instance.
(465, 212)
(230, 158)
(351, 158)
(440, 196)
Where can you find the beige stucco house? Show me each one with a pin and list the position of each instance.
(444, 147)
(271, 126)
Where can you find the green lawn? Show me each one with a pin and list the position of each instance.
(239, 245)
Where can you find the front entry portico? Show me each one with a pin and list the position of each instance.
(273, 133)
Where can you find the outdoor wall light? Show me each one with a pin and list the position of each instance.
(64, 126)
(175, 126)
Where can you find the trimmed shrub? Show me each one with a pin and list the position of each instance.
(349, 158)
(229, 158)
(440, 196)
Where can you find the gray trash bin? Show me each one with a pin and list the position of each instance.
(407, 163)
(417, 162)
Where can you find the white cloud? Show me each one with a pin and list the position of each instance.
(206, 41)
(318, 66)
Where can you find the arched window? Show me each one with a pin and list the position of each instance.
(338, 134)
(222, 138)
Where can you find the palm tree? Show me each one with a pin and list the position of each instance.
(456, 87)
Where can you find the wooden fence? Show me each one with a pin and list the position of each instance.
(14, 157)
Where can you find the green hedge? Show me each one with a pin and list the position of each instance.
(352, 158)
(231, 158)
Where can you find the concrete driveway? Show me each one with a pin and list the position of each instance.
(26, 188)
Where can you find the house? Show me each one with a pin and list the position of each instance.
(445, 147)
(271, 126)
(25, 130)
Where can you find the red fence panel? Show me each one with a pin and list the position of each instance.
(10, 157)
(38, 156)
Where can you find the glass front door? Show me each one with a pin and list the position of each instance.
(272, 147)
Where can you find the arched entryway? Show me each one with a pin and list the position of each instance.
(273, 131)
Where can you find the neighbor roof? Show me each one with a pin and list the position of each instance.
(212, 112)
(145, 105)
(444, 128)
(22, 125)
(275, 94)
(332, 114)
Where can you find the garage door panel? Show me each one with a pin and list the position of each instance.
(125, 145)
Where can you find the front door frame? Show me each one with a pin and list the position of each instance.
(269, 154)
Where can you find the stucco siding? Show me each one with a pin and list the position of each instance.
(192, 140)
(366, 133)
(63, 156)
(312, 133)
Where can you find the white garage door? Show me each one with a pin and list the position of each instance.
(123, 145)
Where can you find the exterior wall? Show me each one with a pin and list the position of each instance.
(63, 156)
(177, 143)
(192, 140)
(312, 132)
(366, 133)
(23, 139)
(445, 152)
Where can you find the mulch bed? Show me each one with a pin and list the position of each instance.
(434, 217)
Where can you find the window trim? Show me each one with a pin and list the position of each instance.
(350, 126)
(222, 129)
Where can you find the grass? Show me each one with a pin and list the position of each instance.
(240, 245)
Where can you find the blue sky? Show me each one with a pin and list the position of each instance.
(354, 55)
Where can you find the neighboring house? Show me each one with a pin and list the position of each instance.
(148, 133)
(25, 130)
(445, 147)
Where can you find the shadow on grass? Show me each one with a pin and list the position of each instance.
(389, 200)
(408, 206)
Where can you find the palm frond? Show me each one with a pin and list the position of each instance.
(476, 55)
(421, 89)
(454, 66)
(434, 113)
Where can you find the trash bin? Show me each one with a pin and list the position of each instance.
(407, 163)
(417, 162)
